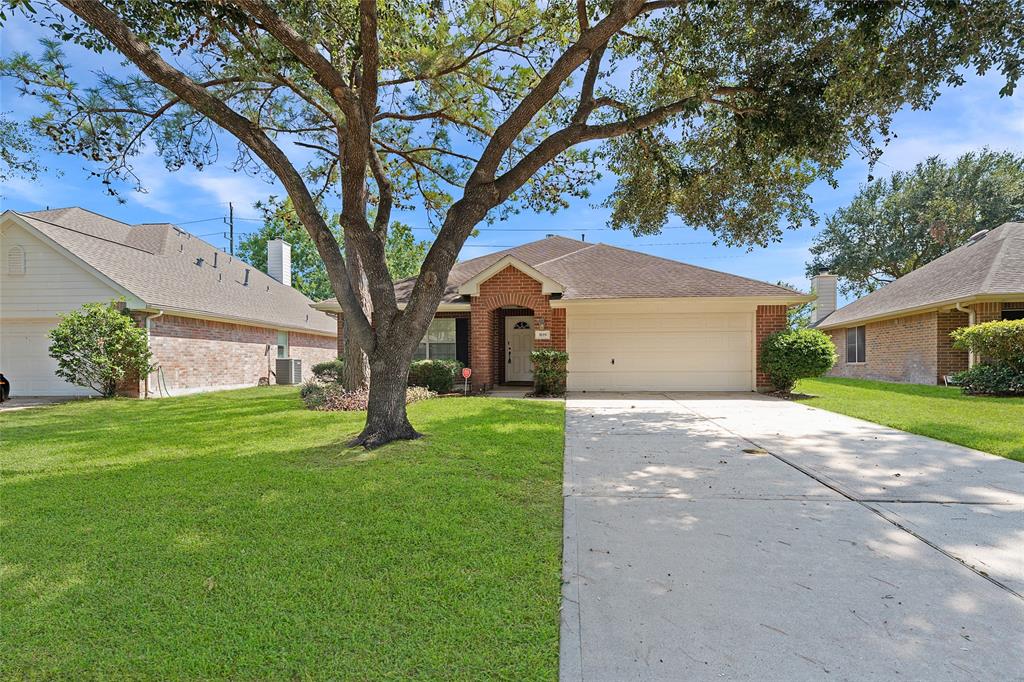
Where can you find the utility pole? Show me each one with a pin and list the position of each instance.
(231, 226)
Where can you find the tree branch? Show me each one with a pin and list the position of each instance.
(162, 73)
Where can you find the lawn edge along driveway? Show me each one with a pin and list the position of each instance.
(984, 423)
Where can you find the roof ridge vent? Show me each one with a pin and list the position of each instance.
(977, 236)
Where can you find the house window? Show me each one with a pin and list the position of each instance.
(855, 344)
(1013, 314)
(439, 343)
(16, 260)
(282, 344)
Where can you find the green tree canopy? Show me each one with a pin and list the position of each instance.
(895, 225)
(309, 275)
(722, 113)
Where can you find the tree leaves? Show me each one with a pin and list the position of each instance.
(896, 225)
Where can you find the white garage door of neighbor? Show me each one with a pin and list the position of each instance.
(646, 351)
(25, 359)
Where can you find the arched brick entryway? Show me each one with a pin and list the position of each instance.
(509, 289)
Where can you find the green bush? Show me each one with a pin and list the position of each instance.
(437, 375)
(549, 371)
(99, 346)
(1001, 380)
(999, 343)
(330, 372)
(796, 354)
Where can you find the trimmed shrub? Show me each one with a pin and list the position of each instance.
(437, 375)
(1000, 380)
(329, 372)
(98, 346)
(334, 398)
(999, 343)
(796, 354)
(549, 371)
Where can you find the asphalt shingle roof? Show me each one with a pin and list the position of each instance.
(598, 271)
(168, 268)
(989, 266)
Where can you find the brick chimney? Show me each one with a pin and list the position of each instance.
(279, 261)
(823, 285)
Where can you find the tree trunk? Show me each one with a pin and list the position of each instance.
(357, 367)
(386, 418)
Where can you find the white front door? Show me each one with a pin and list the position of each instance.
(518, 344)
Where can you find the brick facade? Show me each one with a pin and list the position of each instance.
(510, 288)
(914, 349)
(948, 360)
(769, 319)
(198, 355)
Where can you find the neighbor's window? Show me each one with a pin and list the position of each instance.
(855, 344)
(439, 343)
(282, 344)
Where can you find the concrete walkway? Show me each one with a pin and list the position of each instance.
(721, 536)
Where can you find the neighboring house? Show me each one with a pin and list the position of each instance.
(629, 321)
(901, 331)
(213, 321)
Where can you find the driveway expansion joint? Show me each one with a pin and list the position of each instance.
(867, 504)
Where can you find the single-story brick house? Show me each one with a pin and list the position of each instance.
(213, 321)
(629, 321)
(901, 331)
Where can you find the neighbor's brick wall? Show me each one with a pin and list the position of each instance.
(948, 359)
(510, 287)
(204, 354)
(311, 349)
(987, 312)
(770, 319)
(904, 350)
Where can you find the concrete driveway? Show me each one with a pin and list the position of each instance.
(735, 536)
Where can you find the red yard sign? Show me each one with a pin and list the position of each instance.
(466, 372)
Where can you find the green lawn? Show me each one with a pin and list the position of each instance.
(232, 535)
(994, 425)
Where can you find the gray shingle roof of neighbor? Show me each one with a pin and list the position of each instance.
(589, 270)
(992, 265)
(168, 268)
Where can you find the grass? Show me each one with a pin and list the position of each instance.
(231, 535)
(993, 425)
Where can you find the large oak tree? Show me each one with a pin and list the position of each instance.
(720, 112)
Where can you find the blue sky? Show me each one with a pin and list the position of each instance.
(963, 119)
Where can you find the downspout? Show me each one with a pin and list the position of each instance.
(149, 318)
(970, 323)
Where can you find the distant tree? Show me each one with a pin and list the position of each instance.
(721, 113)
(895, 225)
(17, 158)
(797, 316)
(98, 346)
(309, 275)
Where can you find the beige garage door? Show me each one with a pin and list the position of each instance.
(648, 351)
(24, 359)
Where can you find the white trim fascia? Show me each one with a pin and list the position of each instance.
(240, 321)
(919, 310)
(795, 299)
(471, 287)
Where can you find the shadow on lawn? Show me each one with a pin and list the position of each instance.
(155, 536)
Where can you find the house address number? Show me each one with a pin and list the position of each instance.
(542, 335)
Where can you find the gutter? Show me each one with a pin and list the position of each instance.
(970, 323)
(149, 319)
